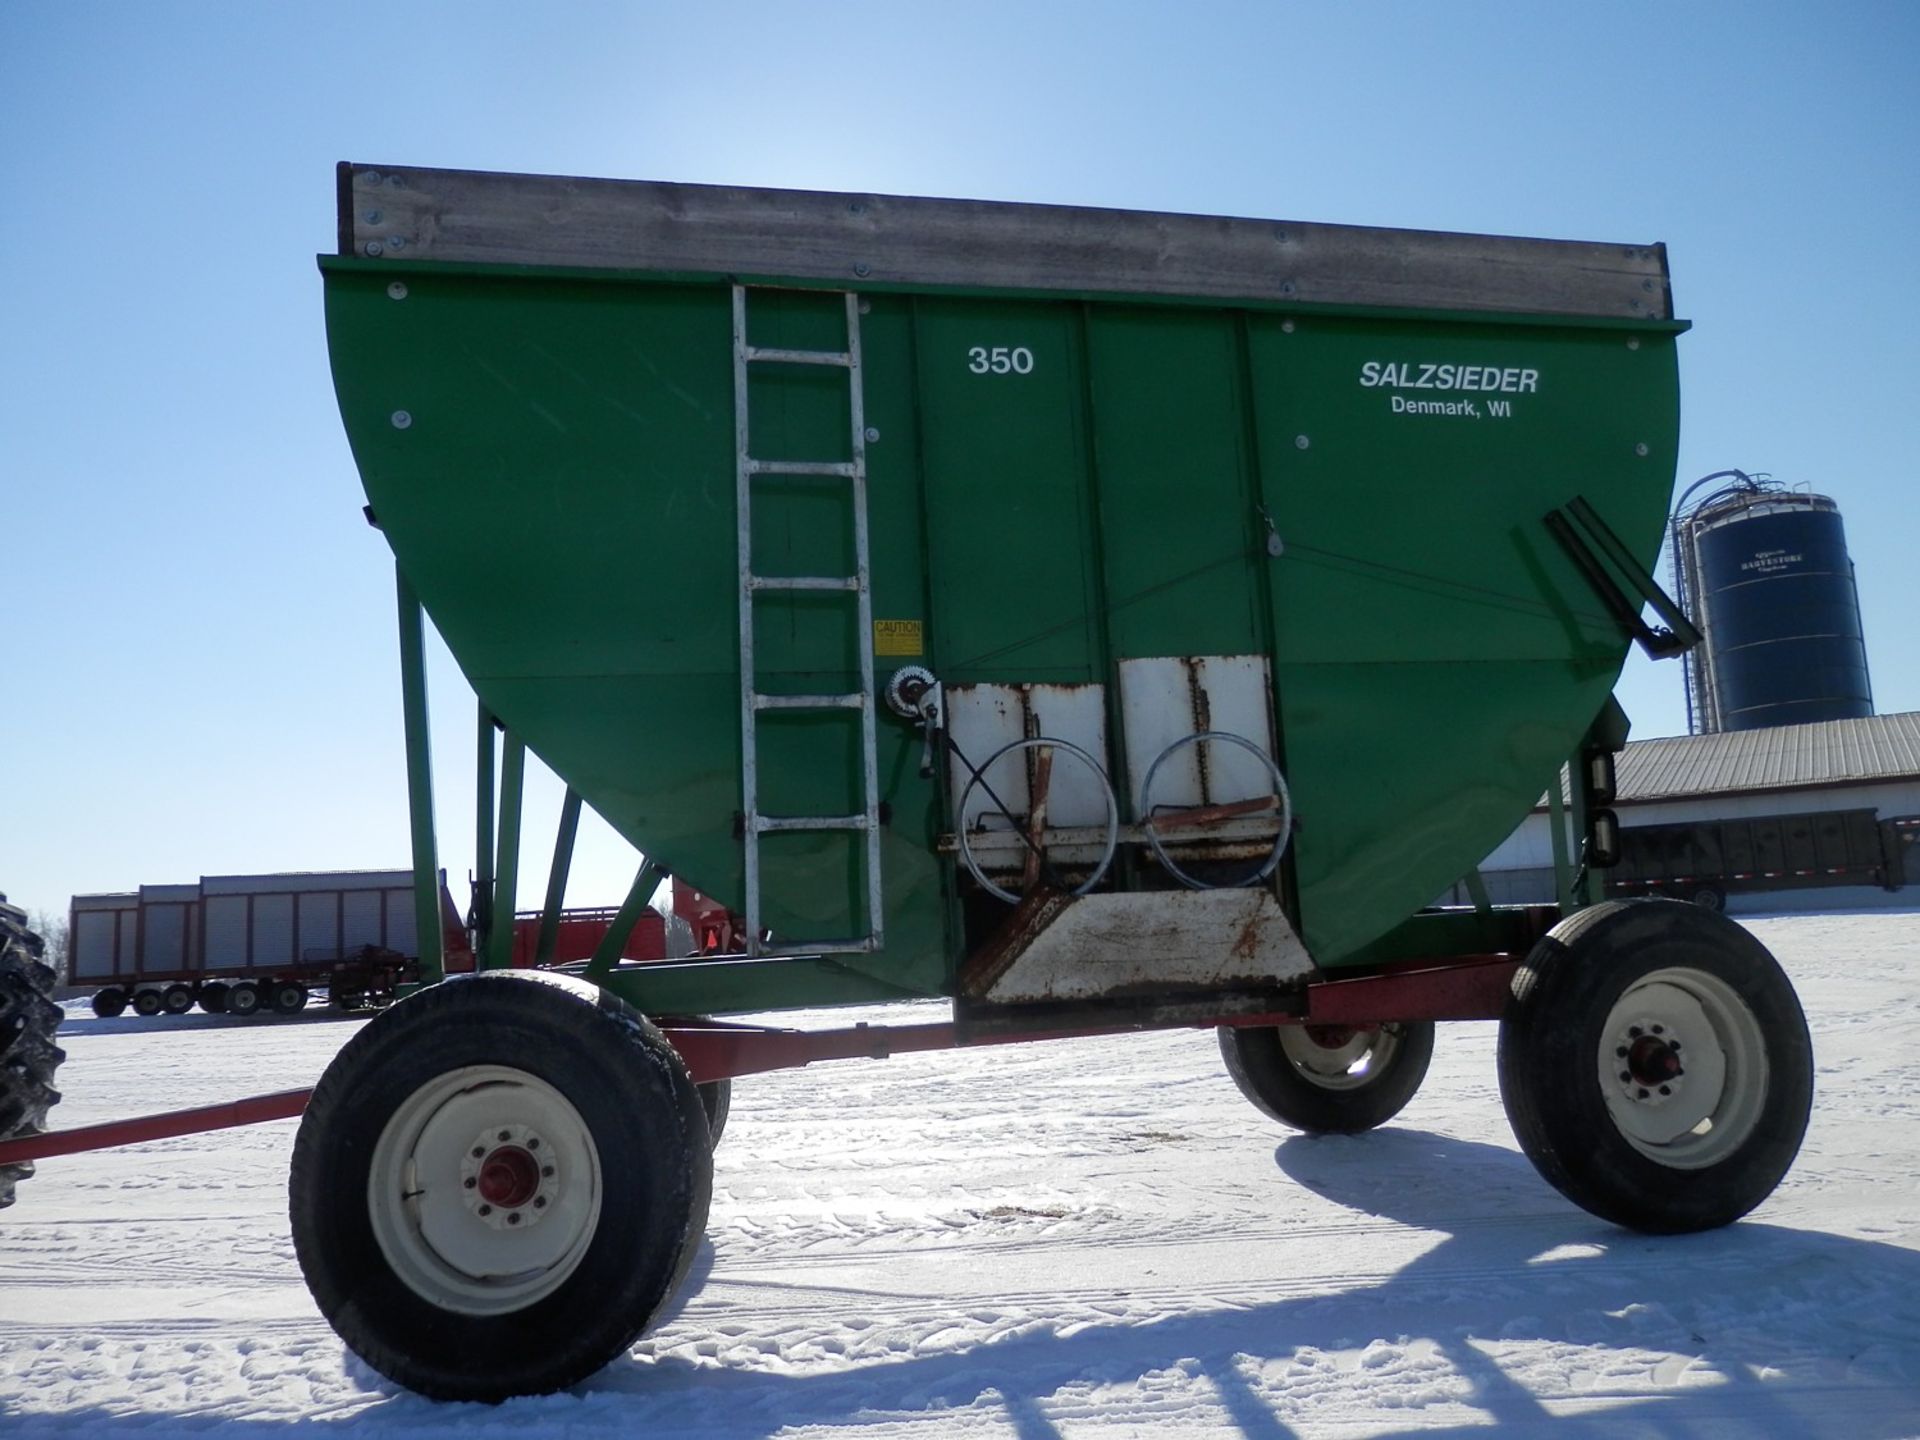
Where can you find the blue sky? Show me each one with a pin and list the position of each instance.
(198, 626)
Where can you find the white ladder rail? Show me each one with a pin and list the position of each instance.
(752, 700)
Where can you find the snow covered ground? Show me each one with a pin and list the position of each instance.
(1095, 1238)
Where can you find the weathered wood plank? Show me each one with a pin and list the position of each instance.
(850, 239)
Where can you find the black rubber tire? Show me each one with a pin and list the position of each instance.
(289, 998)
(1258, 1061)
(29, 1018)
(213, 997)
(177, 1000)
(1710, 897)
(109, 1002)
(716, 1098)
(1553, 1035)
(243, 998)
(633, 1096)
(147, 1003)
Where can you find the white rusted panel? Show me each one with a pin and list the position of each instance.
(273, 930)
(225, 919)
(1166, 698)
(1077, 713)
(981, 719)
(360, 920)
(1124, 944)
(297, 881)
(1238, 690)
(319, 925)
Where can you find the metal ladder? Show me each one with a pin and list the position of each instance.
(752, 699)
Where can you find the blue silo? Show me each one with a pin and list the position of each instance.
(1765, 573)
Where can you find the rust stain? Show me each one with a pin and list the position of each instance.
(1209, 814)
(1202, 711)
(1038, 787)
(1247, 945)
(1037, 910)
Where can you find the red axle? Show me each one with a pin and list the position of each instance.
(1474, 988)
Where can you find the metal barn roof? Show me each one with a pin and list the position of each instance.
(1785, 757)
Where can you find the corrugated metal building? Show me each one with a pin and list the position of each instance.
(1869, 763)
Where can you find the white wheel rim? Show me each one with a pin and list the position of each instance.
(1683, 1067)
(1358, 1060)
(1038, 742)
(491, 1232)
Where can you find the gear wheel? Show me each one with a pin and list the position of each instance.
(28, 1056)
(908, 689)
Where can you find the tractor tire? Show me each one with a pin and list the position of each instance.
(1655, 1065)
(177, 1000)
(445, 1247)
(29, 1017)
(243, 998)
(213, 997)
(289, 997)
(146, 1003)
(716, 1098)
(109, 1002)
(1329, 1080)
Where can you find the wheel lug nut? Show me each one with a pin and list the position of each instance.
(1634, 1032)
(514, 1218)
(1659, 1029)
(539, 1202)
(470, 1182)
(533, 1142)
(1620, 1051)
(1643, 1093)
(1626, 1077)
(1666, 1089)
(478, 1152)
(506, 1134)
(486, 1209)
(547, 1170)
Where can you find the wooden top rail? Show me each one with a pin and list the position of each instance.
(853, 241)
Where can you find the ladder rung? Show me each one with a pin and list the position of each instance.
(775, 355)
(809, 702)
(803, 582)
(766, 824)
(845, 468)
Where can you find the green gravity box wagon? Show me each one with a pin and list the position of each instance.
(1102, 620)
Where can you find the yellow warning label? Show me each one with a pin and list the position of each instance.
(897, 637)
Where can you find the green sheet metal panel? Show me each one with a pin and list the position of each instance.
(1433, 644)
(551, 454)
(1177, 481)
(1009, 497)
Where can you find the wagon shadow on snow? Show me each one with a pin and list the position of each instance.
(1802, 1333)
(1753, 1329)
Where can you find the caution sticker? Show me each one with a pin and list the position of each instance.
(898, 637)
